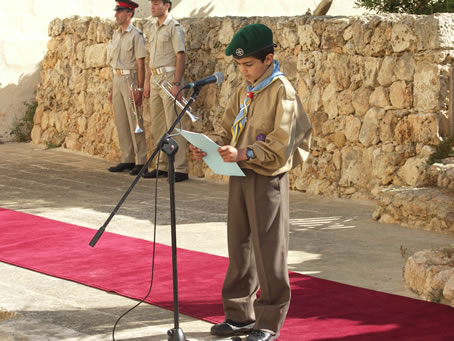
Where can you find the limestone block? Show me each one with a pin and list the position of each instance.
(104, 31)
(352, 169)
(308, 38)
(61, 121)
(329, 99)
(82, 123)
(96, 55)
(348, 33)
(448, 290)
(403, 38)
(382, 166)
(401, 95)
(405, 67)
(372, 67)
(379, 42)
(332, 37)
(361, 35)
(329, 127)
(38, 114)
(80, 50)
(360, 100)
(289, 38)
(344, 103)
(304, 94)
(55, 27)
(426, 86)
(387, 126)
(226, 32)
(386, 73)
(415, 272)
(289, 67)
(36, 134)
(444, 29)
(67, 47)
(72, 142)
(45, 120)
(379, 97)
(403, 132)
(414, 171)
(369, 131)
(424, 127)
(352, 128)
(317, 120)
(342, 71)
(338, 139)
(427, 31)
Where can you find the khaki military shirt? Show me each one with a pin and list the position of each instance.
(277, 128)
(125, 48)
(165, 42)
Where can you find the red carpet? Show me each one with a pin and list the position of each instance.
(320, 309)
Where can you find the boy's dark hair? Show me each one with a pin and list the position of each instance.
(261, 55)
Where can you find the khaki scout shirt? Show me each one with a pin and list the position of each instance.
(125, 48)
(165, 42)
(277, 128)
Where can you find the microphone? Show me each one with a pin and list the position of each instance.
(217, 77)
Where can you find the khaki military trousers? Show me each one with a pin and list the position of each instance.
(162, 117)
(132, 145)
(257, 231)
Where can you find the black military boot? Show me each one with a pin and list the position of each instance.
(121, 167)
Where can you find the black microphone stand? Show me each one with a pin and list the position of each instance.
(170, 147)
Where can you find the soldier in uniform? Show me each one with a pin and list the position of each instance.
(127, 51)
(167, 58)
(265, 130)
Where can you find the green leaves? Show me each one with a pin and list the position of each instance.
(407, 6)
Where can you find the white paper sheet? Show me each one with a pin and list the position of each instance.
(212, 159)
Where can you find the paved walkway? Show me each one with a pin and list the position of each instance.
(333, 239)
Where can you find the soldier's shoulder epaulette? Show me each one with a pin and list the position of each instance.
(176, 22)
(138, 31)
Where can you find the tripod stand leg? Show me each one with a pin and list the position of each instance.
(170, 148)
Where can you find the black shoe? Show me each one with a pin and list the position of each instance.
(121, 167)
(135, 170)
(181, 176)
(231, 328)
(152, 174)
(260, 335)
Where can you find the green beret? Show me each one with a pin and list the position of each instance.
(249, 40)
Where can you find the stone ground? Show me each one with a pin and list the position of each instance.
(331, 238)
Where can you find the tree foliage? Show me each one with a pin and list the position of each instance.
(407, 6)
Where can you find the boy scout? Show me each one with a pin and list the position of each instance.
(266, 131)
(167, 58)
(128, 52)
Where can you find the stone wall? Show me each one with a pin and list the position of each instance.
(376, 89)
(430, 274)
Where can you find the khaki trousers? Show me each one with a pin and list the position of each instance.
(257, 231)
(162, 117)
(132, 146)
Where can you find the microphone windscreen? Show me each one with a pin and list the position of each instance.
(219, 77)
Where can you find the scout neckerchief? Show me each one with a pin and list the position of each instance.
(241, 118)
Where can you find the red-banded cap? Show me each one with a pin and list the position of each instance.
(125, 4)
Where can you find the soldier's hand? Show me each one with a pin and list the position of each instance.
(174, 91)
(146, 91)
(138, 98)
